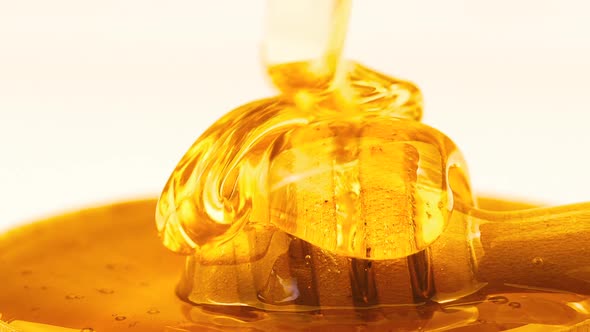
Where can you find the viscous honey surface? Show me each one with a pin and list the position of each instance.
(104, 269)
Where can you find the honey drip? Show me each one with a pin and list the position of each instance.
(327, 207)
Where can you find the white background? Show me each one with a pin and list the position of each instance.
(99, 99)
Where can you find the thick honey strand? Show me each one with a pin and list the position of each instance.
(304, 42)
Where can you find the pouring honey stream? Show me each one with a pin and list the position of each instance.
(327, 207)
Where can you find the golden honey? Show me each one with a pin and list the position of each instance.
(104, 269)
(327, 207)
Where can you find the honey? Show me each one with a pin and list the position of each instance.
(328, 207)
(104, 269)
